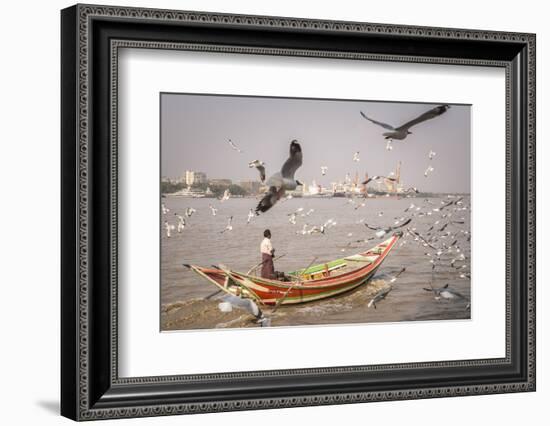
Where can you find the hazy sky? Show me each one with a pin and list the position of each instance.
(195, 130)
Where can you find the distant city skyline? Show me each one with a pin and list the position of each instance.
(195, 130)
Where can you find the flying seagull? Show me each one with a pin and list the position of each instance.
(401, 132)
(260, 167)
(445, 205)
(324, 170)
(292, 218)
(296, 212)
(392, 179)
(381, 231)
(411, 189)
(394, 277)
(250, 216)
(189, 211)
(181, 222)
(303, 231)
(425, 242)
(294, 215)
(229, 226)
(282, 181)
(321, 229)
(381, 295)
(356, 156)
(445, 293)
(428, 171)
(234, 147)
(248, 305)
(358, 206)
(169, 228)
(412, 206)
(225, 196)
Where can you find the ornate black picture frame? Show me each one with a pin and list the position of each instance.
(91, 387)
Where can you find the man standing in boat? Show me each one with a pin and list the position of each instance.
(268, 252)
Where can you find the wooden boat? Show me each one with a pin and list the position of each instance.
(314, 283)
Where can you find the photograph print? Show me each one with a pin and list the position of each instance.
(305, 212)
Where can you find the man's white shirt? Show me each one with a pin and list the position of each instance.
(266, 246)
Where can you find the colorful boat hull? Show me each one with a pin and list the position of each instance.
(315, 283)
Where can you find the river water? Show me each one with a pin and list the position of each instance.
(202, 242)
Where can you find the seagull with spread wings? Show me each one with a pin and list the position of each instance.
(401, 132)
(226, 195)
(229, 226)
(392, 179)
(189, 211)
(429, 170)
(250, 216)
(169, 228)
(282, 181)
(234, 147)
(260, 166)
(381, 230)
(181, 222)
(445, 293)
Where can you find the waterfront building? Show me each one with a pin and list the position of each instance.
(220, 182)
(251, 186)
(195, 178)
